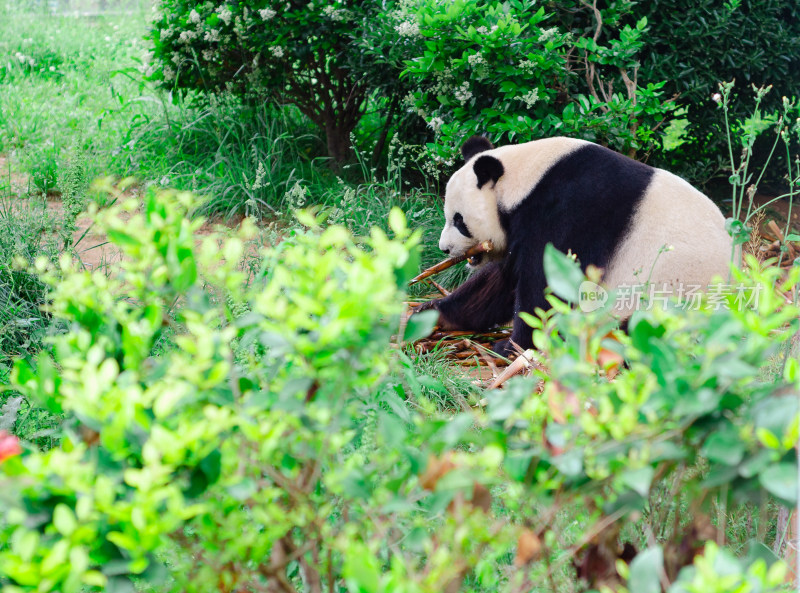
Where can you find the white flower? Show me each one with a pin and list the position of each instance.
(408, 29)
(208, 55)
(277, 51)
(164, 180)
(169, 74)
(436, 124)
(527, 66)
(186, 36)
(462, 93)
(476, 60)
(340, 15)
(530, 98)
(716, 97)
(212, 35)
(266, 13)
(548, 34)
(482, 30)
(194, 16)
(296, 196)
(225, 14)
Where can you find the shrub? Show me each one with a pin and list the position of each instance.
(694, 46)
(260, 434)
(515, 72)
(291, 52)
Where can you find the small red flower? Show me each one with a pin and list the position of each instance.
(9, 446)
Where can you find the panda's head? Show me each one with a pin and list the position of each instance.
(470, 203)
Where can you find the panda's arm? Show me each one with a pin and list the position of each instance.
(529, 294)
(485, 300)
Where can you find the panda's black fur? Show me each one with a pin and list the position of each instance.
(585, 201)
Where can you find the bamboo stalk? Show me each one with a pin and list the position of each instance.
(439, 287)
(484, 247)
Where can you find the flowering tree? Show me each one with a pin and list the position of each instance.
(300, 53)
(513, 71)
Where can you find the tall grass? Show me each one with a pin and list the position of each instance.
(243, 159)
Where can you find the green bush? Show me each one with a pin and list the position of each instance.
(508, 69)
(291, 52)
(694, 46)
(515, 72)
(226, 431)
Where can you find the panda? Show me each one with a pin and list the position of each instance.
(638, 223)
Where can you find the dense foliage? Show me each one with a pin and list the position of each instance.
(292, 52)
(516, 72)
(694, 46)
(503, 68)
(263, 434)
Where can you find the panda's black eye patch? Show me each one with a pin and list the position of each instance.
(458, 222)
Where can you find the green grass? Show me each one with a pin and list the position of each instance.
(58, 92)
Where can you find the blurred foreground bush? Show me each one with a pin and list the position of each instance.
(230, 427)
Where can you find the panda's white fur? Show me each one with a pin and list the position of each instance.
(526, 162)
(675, 214)
(662, 210)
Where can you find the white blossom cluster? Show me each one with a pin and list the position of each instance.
(296, 196)
(462, 92)
(527, 66)
(548, 34)
(340, 15)
(408, 28)
(187, 36)
(23, 59)
(266, 14)
(348, 202)
(479, 66)
(436, 124)
(259, 182)
(443, 81)
(225, 14)
(530, 98)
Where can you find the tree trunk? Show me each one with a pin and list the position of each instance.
(337, 136)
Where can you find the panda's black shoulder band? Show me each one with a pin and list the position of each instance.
(487, 168)
(475, 145)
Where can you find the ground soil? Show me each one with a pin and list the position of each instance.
(90, 244)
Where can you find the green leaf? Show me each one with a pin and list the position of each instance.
(570, 463)
(64, 520)
(646, 570)
(638, 480)
(122, 239)
(780, 479)
(724, 447)
(361, 570)
(755, 464)
(420, 325)
(564, 275)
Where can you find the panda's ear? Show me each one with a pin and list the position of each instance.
(475, 145)
(487, 168)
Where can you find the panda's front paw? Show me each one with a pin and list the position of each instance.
(504, 348)
(426, 306)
